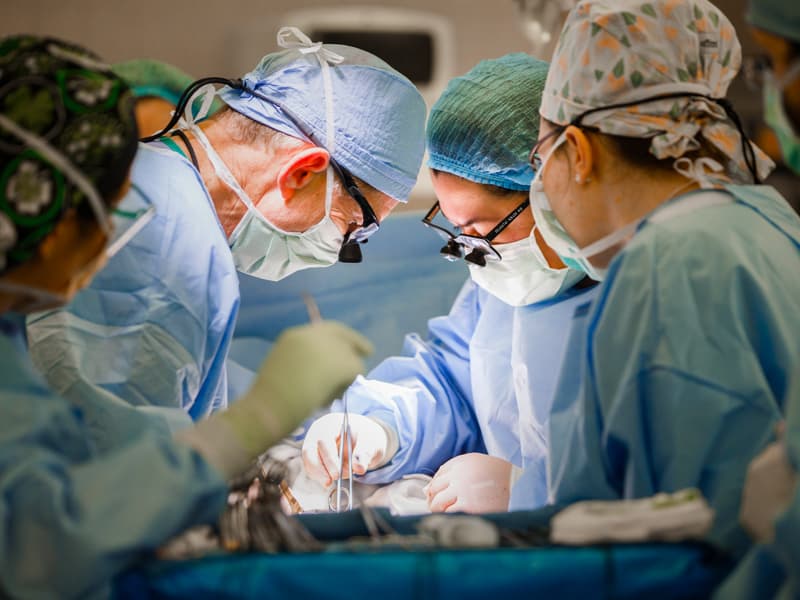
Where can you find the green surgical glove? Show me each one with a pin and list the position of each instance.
(309, 366)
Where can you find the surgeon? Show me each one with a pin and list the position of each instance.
(648, 181)
(771, 497)
(74, 514)
(157, 87)
(470, 403)
(314, 147)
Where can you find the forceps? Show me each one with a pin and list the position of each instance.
(344, 442)
(335, 497)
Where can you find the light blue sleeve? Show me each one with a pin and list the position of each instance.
(425, 394)
(770, 570)
(154, 326)
(675, 393)
(70, 517)
(787, 527)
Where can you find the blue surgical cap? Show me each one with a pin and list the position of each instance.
(379, 115)
(484, 125)
(781, 17)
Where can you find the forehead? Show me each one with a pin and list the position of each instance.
(463, 201)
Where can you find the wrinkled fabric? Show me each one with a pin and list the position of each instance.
(770, 570)
(612, 52)
(154, 326)
(482, 127)
(71, 516)
(686, 360)
(482, 381)
(380, 115)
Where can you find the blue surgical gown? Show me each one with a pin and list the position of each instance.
(482, 381)
(773, 570)
(686, 358)
(71, 516)
(154, 327)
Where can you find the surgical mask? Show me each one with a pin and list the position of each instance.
(554, 233)
(264, 250)
(561, 242)
(776, 117)
(522, 276)
(33, 299)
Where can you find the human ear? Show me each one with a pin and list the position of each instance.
(583, 153)
(62, 230)
(300, 169)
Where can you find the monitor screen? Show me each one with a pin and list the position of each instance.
(409, 52)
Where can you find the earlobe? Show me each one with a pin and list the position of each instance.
(300, 169)
(584, 154)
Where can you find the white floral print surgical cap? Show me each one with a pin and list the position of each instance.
(614, 52)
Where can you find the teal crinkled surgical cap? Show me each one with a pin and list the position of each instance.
(484, 125)
(148, 77)
(379, 116)
(781, 17)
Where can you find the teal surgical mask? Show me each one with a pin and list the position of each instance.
(776, 117)
(551, 230)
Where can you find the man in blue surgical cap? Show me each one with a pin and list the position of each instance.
(314, 147)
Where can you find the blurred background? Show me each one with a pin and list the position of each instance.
(429, 42)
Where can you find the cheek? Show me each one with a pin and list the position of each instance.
(555, 180)
(559, 189)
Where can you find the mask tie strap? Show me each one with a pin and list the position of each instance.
(292, 37)
(701, 170)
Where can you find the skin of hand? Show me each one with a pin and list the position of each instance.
(769, 487)
(472, 483)
(369, 443)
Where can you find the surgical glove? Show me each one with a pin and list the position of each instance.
(307, 368)
(472, 483)
(768, 490)
(373, 444)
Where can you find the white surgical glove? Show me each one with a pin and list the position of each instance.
(373, 445)
(768, 490)
(472, 483)
(307, 368)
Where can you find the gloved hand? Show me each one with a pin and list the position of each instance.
(769, 488)
(373, 445)
(307, 368)
(472, 483)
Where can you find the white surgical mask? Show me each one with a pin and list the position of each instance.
(264, 250)
(523, 276)
(554, 233)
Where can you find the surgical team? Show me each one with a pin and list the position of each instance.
(630, 324)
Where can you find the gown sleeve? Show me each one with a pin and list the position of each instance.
(425, 394)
